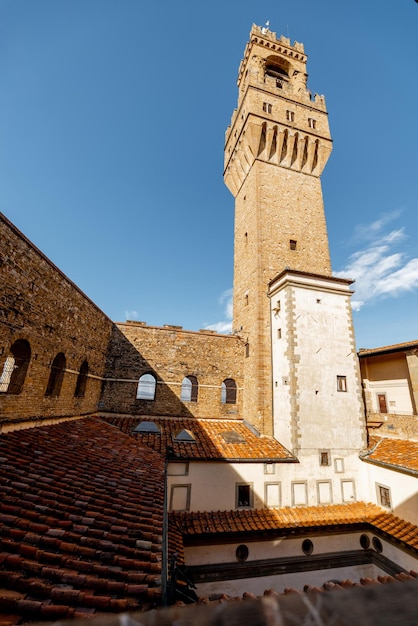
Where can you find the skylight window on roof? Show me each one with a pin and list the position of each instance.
(147, 427)
(231, 436)
(184, 435)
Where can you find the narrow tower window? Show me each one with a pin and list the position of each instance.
(293, 244)
(290, 116)
(341, 383)
(267, 108)
(311, 122)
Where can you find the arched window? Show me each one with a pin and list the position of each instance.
(229, 391)
(15, 367)
(56, 376)
(146, 387)
(80, 388)
(189, 389)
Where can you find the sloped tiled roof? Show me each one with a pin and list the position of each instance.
(397, 347)
(287, 518)
(210, 443)
(81, 512)
(397, 453)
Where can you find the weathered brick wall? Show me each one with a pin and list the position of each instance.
(171, 354)
(39, 304)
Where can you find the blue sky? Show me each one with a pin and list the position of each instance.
(112, 122)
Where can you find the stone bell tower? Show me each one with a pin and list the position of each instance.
(275, 151)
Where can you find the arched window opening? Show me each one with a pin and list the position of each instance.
(56, 376)
(229, 391)
(189, 389)
(278, 73)
(146, 387)
(15, 367)
(80, 388)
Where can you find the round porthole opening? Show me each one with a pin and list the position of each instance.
(377, 544)
(307, 546)
(242, 553)
(364, 542)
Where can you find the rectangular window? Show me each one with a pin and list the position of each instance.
(180, 497)
(267, 107)
(347, 489)
(269, 468)
(244, 496)
(177, 469)
(299, 494)
(382, 403)
(247, 350)
(341, 383)
(279, 333)
(384, 496)
(339, 466)
(290, 116)
(292, 244)
(324, 458)
(272, 494)
(324, 492)
(311, 122)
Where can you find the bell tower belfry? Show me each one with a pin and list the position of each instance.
(275, 151)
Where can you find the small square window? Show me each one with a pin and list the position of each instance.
(341, 383)
(384, 496)
(311, 122)
(267, 108)
(324, 458)
(269, 468)
(290, 116)
(292, 244)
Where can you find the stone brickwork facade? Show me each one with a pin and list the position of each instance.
(276, 148)
(170, 354)
(44, 314)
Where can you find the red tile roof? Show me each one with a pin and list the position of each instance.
(81, 511)
(397, 453)
(210, 443)
(287, 518)
(397, 347)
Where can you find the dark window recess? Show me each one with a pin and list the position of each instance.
(56, 376)
(307, 546)
(377, 544)
(364, 542)
(242, 553)
(324, 458)
(243, 496)
(15, 367)
(341, 383)
(80, 388)
(292, 244)
(229, 391)
(189, 389)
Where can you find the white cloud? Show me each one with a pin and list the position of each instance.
(224, 326)
(380, 270)
(131, 315)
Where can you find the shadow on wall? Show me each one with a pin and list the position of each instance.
(171, 372)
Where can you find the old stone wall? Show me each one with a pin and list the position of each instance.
(44, 311)
(170, 354)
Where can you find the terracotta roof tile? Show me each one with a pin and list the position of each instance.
(75, 498)
(400, 453)
(261, 520)
(209, 442)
